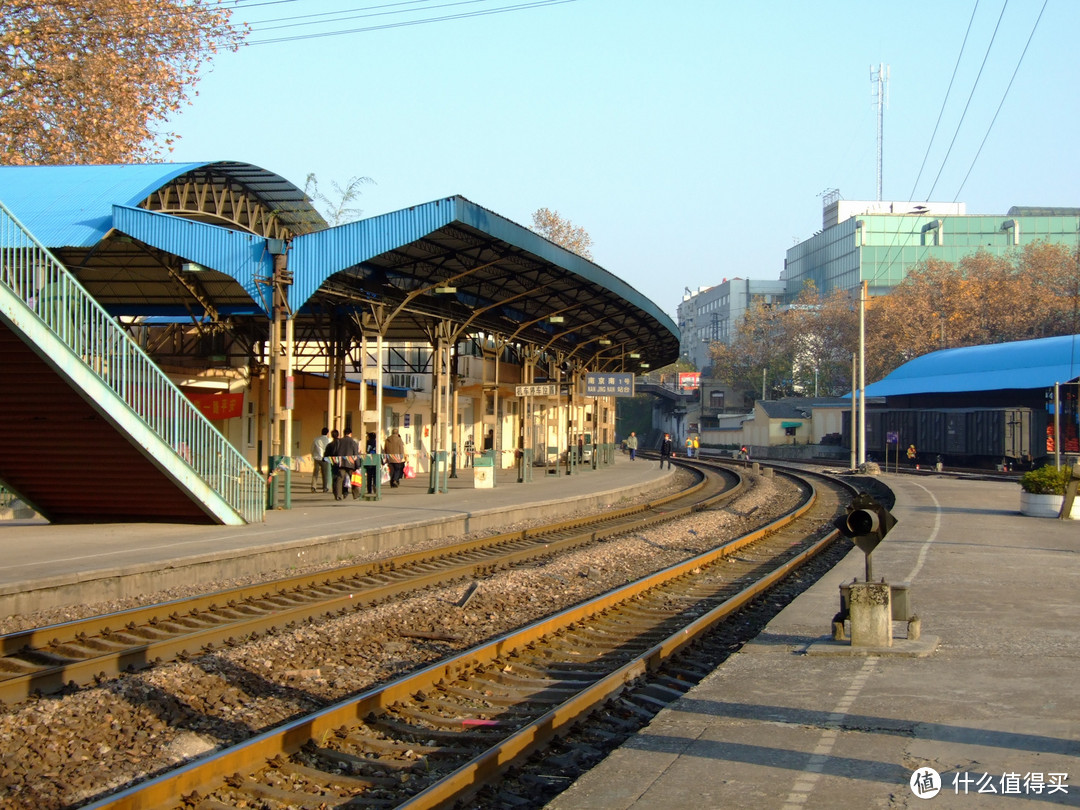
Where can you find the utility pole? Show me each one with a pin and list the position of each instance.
(880, 83)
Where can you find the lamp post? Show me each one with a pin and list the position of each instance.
(862, 374)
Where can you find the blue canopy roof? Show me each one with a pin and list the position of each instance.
(72, 206)
(1023, 364)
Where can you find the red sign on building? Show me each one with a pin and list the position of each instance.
(218, 406)
(689, 380)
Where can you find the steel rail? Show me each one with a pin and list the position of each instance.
(230, 764)
(50, 658)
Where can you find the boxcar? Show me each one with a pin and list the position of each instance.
(976, 437)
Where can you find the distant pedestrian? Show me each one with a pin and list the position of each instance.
(744, 453)
(331, 454)
(319, 466)
(470, 451)
(395, 457)
(371, 447)
(912, 456)
(347, 450)
(665, 451)
(689, 447)
(697, 446)
(631, 445)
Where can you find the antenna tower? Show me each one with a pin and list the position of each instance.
(879, 82)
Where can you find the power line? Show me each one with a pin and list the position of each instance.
(970, 96)
(345, 14)
(1002, 102)
(944, 101)
(422, 21)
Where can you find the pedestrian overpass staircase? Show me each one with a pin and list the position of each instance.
(91, 430)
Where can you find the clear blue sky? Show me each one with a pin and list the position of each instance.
(692, 139)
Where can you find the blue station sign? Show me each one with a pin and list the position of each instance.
(609, 385)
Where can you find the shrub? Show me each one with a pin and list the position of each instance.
(1048, 480)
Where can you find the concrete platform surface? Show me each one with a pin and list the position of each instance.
(47, 566)
(994, 710)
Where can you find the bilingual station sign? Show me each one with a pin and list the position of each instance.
(609, 385)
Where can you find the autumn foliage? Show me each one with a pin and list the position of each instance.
(562, 232)
(88, 81)
(983, 299)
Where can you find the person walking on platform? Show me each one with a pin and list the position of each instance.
(689, 447)
(395, 453)
(331, 453)
(320, 468)
(371, 447)
(631, 445)
(912, 456)
(347, 450)
(470, 451)
(665, 451)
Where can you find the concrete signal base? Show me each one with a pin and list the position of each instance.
(871, 610)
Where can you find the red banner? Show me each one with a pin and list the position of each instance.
(218, 406)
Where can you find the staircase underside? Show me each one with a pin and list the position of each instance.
(67, 459)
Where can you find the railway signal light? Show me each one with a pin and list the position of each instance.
(866, 522)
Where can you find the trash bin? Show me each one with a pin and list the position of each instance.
(483, 472)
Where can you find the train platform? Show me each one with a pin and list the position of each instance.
(48, 566)
(792, 721)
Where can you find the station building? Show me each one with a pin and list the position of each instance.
(192, 327)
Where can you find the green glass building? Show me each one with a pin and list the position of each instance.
(879, 242)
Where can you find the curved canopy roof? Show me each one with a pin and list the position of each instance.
(71, 206)
(133, 235)
(1023, 364)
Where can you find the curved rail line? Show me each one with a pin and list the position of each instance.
(46, 659)
(437, 736)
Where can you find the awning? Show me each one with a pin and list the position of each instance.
(790, 424)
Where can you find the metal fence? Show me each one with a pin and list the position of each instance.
(48, 289)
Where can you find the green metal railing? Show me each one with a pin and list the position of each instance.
(33, 274)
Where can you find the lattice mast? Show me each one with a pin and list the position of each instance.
(879, 83)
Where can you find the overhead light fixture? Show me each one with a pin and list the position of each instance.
(604, 342)
(191, 267)
(644, 365)
(556, 319)
(445, 290)
(635, 356)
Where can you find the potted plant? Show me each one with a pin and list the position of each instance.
(1042, 492)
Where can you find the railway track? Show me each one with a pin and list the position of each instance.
(47, 659)
(442, 734)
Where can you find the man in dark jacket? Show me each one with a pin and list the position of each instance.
(347, 449)
(665, 451)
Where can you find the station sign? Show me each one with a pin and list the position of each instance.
(549, 390)
(609, 385)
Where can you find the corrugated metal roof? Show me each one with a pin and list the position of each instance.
(238, 254)
(1023, 364)
(315, 257)
(71, 206)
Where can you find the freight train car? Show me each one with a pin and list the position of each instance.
(969, 437)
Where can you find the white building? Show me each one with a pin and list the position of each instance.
(713, 313)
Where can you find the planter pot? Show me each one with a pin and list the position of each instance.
(1046, 505)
